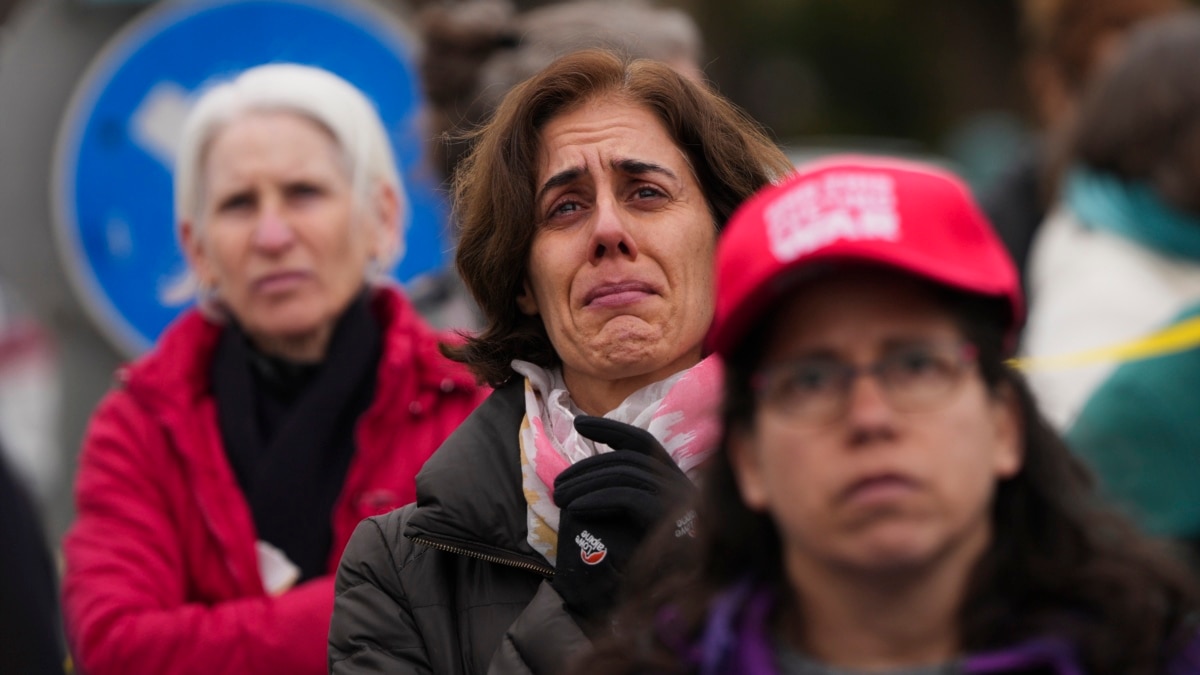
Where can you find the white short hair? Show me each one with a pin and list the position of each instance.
(317, 94)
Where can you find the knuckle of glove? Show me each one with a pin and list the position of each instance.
(632, 512)
(622, 436)
(617, 502)
(615, 434)
(611, 469)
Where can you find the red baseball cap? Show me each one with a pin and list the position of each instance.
(891, 213)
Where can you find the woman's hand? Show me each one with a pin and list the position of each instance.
(608, 503)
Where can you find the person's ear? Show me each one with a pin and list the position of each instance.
(193, 251)
(747, 468)
(526, 300)
(385, 233)
(1008, 424)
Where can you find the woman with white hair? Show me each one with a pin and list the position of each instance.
(221, 479)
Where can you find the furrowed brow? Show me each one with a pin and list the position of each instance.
(636, 167)
(564, 177)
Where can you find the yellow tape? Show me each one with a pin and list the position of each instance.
(1173, 339)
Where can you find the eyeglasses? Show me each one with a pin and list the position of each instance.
(815, 391)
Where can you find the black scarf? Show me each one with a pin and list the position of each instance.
(288, 430)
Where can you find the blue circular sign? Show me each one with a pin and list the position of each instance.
(113, 198)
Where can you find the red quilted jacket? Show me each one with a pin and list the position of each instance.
(161, 568)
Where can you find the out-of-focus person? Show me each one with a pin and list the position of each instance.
(1138, 434)
(1137, 210)
(589, 210)
(476, 51)
(1120, 255)
(887, 497)
(222, 477)
(30, 631)
(30, 390)
(1067, 42)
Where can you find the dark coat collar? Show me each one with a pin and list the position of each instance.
(469, 493)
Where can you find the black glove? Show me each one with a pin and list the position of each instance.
(608, 504)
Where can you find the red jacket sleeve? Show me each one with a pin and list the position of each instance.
(125, 590)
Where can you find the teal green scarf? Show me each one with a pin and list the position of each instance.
(1132, 210)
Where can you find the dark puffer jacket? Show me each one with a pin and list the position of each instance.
(450, 585)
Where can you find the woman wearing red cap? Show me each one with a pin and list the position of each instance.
(888, 498)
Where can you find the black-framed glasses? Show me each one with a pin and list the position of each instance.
(914, 377)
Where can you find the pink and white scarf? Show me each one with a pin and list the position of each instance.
(682, 412)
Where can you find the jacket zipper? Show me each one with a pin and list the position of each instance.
(543, 570)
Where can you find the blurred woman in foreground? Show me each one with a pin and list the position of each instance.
(887, 498)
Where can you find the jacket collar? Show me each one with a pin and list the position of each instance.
(469, 494)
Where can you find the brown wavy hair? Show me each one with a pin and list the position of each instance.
(494, 187)
(1060, 562)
